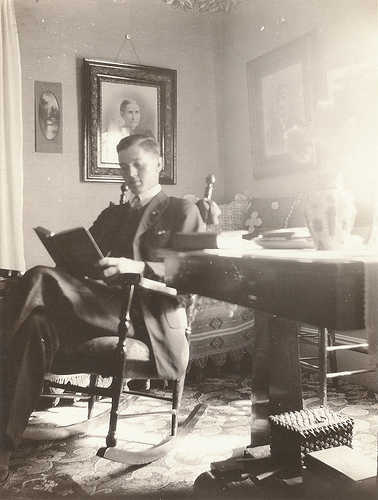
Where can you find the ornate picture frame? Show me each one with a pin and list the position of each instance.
(124, 99)
(281, 98)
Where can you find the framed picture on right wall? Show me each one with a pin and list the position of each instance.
(280, 101)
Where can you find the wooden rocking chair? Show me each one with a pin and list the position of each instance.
(121, 357)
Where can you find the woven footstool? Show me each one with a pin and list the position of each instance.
(294, 434)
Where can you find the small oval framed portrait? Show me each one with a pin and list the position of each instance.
(48, 117)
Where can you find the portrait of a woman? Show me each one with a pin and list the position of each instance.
(127, 123)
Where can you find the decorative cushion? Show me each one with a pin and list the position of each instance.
(233, 215)
(265, 214)
(220, 327)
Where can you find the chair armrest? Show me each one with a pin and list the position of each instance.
(147, 284)
(157, 286)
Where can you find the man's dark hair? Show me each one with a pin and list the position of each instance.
(146, 142)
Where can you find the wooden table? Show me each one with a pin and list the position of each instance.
(322, 288)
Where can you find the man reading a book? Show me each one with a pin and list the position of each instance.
(52, 306)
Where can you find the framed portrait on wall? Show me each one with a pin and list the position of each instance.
(281, 96)
(48, 117)
(126, 99)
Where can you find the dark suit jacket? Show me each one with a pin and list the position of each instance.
(165, 320)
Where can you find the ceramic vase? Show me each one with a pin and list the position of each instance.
(330, 215)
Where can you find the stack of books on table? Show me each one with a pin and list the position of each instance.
(200, 241)
(293, 237)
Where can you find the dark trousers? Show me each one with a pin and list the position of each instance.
(23, 379)
(49, 311)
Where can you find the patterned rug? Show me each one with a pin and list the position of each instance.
(70, 468)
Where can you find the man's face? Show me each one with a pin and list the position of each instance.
(139, 168)
(131, 115)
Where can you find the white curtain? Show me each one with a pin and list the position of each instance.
(11, 155)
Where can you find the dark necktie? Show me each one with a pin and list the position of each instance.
(136, 203)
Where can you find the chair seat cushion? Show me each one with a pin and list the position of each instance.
(99, 356)
(220, 328)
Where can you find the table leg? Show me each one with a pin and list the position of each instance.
(285, 385)
(276, 388)
(276, 380)
(260, 403)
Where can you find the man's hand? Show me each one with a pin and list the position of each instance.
(112, 267)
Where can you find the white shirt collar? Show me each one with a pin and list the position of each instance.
(147, 196)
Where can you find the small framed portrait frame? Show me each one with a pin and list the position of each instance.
(281, 88)
(48, 117)
(125, 99)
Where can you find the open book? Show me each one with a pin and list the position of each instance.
(76, 251)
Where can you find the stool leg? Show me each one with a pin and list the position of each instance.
(332, 356)
(323, 342)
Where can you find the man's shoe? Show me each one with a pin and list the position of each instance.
(139, 385)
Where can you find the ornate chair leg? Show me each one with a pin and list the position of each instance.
(111, 439)
(92, 384)
(178, 390)
(117, 382)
